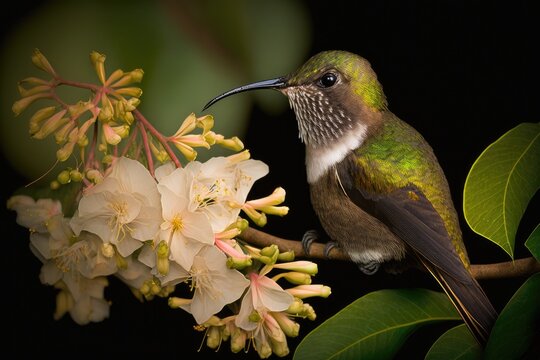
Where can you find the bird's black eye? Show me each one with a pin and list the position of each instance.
(327, 80)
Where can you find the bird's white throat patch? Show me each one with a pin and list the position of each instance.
(320, 159)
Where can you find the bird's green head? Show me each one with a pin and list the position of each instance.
(330, 94)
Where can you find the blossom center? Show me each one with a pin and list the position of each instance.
(201, 280)
(67, 259)
(120, 218)
(177, 223)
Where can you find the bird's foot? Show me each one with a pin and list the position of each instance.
(313, 235)
(309, 237)
(369, 268)
(328, 247)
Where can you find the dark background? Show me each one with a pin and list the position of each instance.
(461, 74)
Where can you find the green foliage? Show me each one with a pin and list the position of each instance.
(533, 242)
(518, 327)
(456, 343)
(376, 325)
(501, 183)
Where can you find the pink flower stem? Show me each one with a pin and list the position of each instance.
(147, 151)
(146, 124)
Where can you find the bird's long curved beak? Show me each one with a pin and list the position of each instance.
(265, 84)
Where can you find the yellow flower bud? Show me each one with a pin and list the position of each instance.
(238, 337)
(155, 289)
(39, 60)
(238, 263)
(305, 291)
(39, 116)
(264, 350)
(115, 76)
(286, 256)
(275, 210)
(111, 137)
(64, 303)
(106, 112)
(20, 105)
(193, 141)
(130, 91)
(122, 130)
(79, 108)
(290, 328)
(213, 337)
(187, 151)
(269, 251)
(307, 267)
(132, 104)
(280, 348)
(32, 91)
(241, 156)
(145, 288)
(51, 125)
(63, 177)
(98, 60)
(65, 151)
(134, 76)
(257, 217)
(162, 265)
(76, 175)
(188, 125)
(176, 302)
(61, 135)
(297, 278)
(205, 122)
(233, 143)
(159, 152)
(94, 176)
(33, 81)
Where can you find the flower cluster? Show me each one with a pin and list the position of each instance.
(170, 230)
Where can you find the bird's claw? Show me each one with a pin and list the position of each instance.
(369, 268)
(309, 237)
(328, 247)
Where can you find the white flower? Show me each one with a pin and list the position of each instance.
(123, 209)
(185, 231)
(86, 304)
(263, 295)
(34, 214)
(69, 258)
(220, 182)
(214, 283)
(77, 266)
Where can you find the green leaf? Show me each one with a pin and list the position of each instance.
(514, 332)
(501, 183)
(456, 343)
(533, 243)
(376, 325)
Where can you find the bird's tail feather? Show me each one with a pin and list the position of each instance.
(470, 301)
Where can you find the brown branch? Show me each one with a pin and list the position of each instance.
(509, 269)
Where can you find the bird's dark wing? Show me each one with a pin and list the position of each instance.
(411, 216)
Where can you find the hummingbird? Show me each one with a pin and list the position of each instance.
(375, 183)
